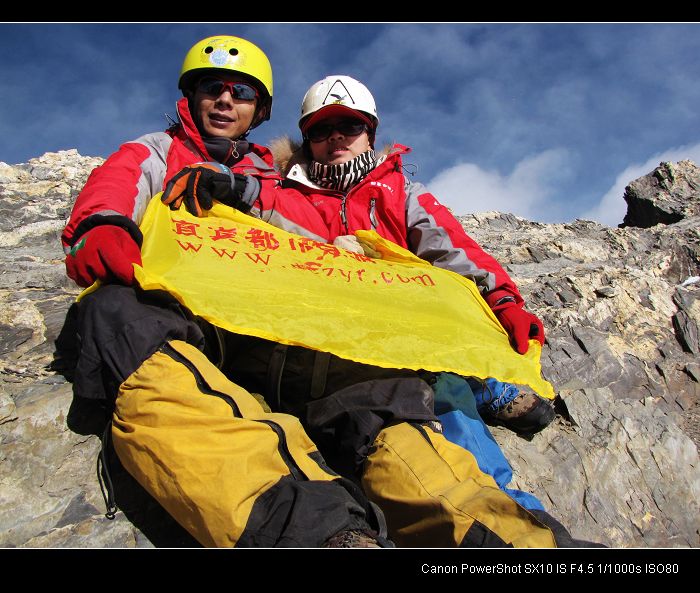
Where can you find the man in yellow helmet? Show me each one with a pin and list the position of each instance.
(227, 87)
(148, 356)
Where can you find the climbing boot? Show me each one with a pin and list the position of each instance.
(504, 404)
(527, 413)
(352, 538)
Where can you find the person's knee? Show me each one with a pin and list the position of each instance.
(119, 328)
(346, 423)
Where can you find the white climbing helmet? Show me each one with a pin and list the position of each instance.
(337, 95)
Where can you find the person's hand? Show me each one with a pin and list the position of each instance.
(520, 325)
(199, 184)
(105, 253)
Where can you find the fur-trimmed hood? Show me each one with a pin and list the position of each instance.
(287, 152)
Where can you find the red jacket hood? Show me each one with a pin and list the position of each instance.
(187, 130)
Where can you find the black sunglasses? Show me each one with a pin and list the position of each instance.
(238, 90)
(347, 127)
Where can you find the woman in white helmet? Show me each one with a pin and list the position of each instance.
(352, 188)
(377, 426)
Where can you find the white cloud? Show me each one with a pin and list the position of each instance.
(612, 207)
(526, 191)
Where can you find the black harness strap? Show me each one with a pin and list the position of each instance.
(319, 374)
(103, 468)
(274, 374)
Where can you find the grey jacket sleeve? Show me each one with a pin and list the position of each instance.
(153, 171)
(435, 235)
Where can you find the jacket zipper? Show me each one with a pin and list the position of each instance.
(204, 387)
(283, 448)
(421, 430)
(424, 434)
(372, 213)
(343, 214)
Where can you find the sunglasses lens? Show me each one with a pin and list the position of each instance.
(351, 128)
(321, 132)
(211, 86)
(243, 92)
(238, 90)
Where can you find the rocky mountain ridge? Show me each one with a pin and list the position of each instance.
(621, 307)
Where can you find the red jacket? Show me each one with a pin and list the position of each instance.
(121, 188)
(398, 209)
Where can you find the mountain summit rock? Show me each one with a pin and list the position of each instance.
(621, 310)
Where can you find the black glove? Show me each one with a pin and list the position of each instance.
(201, 183)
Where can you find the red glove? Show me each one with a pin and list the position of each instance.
(520, 325)
(106, 253)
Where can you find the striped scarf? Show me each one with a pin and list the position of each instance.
(343, 176)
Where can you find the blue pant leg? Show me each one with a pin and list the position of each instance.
(456, 408)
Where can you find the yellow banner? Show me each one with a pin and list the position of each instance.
(249, 277)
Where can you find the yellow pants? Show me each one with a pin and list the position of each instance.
(433, 494)
(233, 474)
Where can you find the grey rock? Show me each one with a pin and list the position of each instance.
(11, 337)
(667, 195)
(686, 321)
(7, 408)
(606, 291)
(619, 465)
(693, 369)
(94, 532)
(608, 464)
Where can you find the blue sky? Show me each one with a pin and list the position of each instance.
(547, 121)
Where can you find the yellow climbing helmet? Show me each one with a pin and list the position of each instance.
(225, 52)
